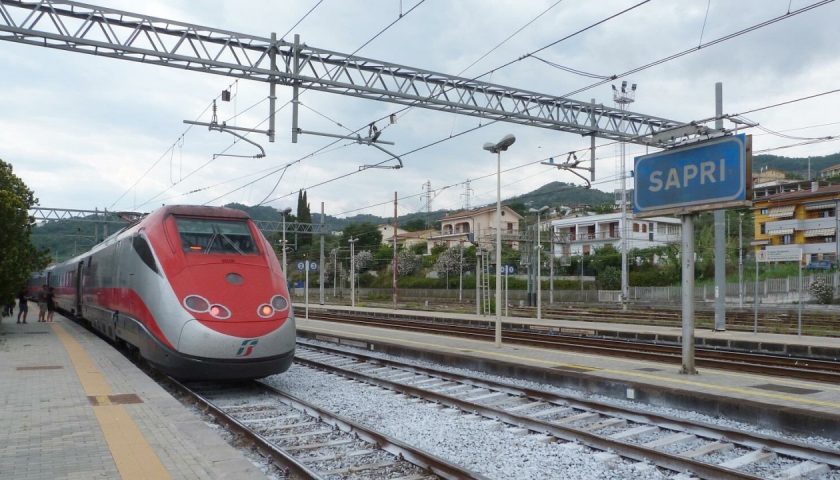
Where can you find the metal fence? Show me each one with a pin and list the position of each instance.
(770, 291)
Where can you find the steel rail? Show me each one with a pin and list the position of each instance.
(624, 449)
(400, 449)
(753, 440)
(263, 445)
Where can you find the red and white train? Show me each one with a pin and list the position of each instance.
(198, 291)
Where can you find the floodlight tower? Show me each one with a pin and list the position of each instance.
(623, 98)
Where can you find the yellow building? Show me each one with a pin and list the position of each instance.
(806, 218)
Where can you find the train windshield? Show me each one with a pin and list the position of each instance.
(215, 236)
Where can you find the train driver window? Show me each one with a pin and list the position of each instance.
(212, 236)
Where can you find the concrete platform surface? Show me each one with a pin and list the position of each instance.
(72, 407)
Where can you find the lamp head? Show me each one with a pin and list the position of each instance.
(286, 211)
(502, 145)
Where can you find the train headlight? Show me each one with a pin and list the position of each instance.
(265, 311)
(195, 303)
(279, 303)
(219, 311)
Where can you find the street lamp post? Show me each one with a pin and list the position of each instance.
(352, 242)
(624, 98)
(497, 148)
(539, 247)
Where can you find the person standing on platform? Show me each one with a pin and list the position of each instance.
(42, 304)
(50, 303)
(24, 308)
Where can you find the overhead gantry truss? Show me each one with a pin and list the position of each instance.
(94, 30)
(45, 214)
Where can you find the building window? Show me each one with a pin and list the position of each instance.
(787, 239)
(763, 230)
(764, 211)
(644, 228)
(635, 227)
(510, 226)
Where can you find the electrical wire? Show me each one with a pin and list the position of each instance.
(301, 19)
(380, 32)
(704, 45)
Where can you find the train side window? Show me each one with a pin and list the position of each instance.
(144, 251)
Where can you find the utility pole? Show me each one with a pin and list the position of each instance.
(461, 272)
(478, 280)
(624, 98)
(335, 270)
(394, 259)
(720, 238)
(352, 242)
(321, 269)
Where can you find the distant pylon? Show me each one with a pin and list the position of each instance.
(467, 195)
(427, 200)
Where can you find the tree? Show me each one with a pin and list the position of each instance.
(609, 279)
(304, 215)
(408, 263)
(370, 238)
(363, 261)
(414, 225)
(19, 257)
(518, 207)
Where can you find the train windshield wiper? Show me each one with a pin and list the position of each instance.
(232, 244)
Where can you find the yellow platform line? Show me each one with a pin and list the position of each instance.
(132, 454)
(748, 392)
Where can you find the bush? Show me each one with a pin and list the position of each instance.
(609, 279)
(822, 292)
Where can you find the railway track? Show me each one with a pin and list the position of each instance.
(673, 444)
(767, 364)
(770, 321)
(307, 442)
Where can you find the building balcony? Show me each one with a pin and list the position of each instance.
(585, 237)
(800, 224)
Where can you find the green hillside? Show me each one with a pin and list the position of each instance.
(796, 167)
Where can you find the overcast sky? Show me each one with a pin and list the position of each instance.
(80, 129)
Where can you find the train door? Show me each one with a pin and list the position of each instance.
(77, 293)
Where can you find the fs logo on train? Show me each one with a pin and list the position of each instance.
(246, 348)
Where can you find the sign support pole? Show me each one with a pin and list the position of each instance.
(688, 295)
(720, 239)
(306, 289)
(755, 297)
(507, 274)
(799, 302)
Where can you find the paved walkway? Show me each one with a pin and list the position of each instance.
(72, 407)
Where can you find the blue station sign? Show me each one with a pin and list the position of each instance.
(702, 176)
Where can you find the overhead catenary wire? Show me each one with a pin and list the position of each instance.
(380, 32)
(431, 96)
(646, 66)
(703, 45)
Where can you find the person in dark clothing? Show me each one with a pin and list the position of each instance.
(50, 304)
(24, 308)
(9, 308)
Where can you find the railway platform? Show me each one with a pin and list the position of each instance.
(785, 344)
(73, 407)
(792, 405)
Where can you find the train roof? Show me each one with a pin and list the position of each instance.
(202, 211)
